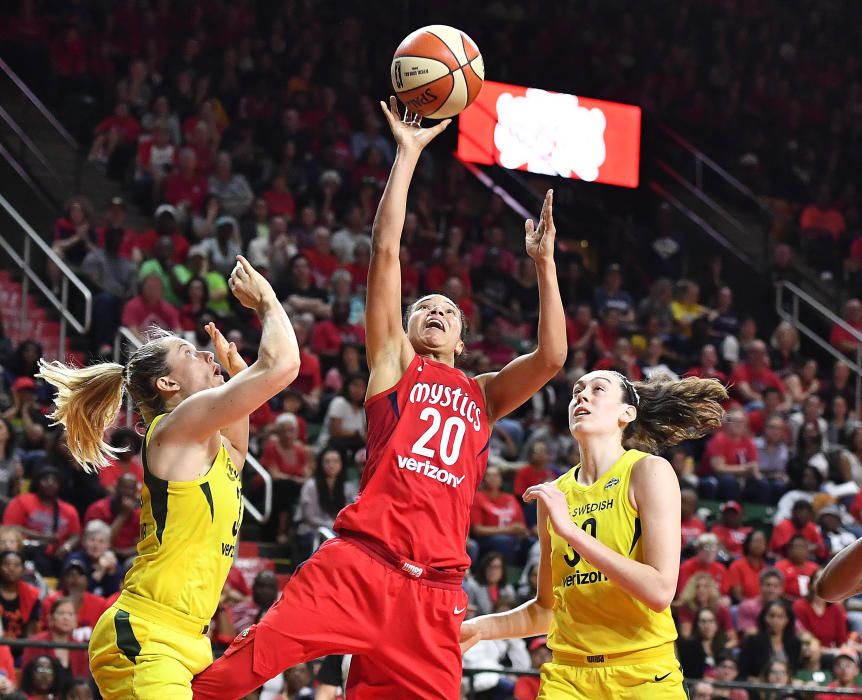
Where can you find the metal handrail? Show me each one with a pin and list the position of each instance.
(37, 103)
(27, 141)
(703, 224)
(701, 157)
(792, 317)
(123, 333)
(30, 275)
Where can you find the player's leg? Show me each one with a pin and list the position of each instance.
(661, 679)
(418, 655)
(135, 658)
(331, 605)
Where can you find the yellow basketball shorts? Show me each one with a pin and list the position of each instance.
(658, 678)
(134, 657)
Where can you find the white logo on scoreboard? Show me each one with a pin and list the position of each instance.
(550, 133)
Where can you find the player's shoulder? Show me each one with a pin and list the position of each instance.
(647, 467)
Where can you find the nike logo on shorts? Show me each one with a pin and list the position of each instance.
(659, 679)
(458, 610)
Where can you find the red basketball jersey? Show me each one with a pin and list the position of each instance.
(427, 443)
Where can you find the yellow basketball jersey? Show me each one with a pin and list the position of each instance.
(188, 538)
(592, 616)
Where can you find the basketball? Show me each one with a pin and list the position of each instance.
(437, 71)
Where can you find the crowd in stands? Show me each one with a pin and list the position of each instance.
(225, 121)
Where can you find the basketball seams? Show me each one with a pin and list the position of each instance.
(423, 47)
(445, 99)
(449, 48)
(449, 71)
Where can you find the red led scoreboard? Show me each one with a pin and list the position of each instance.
(552, 133)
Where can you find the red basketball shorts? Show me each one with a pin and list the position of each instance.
(399, 623)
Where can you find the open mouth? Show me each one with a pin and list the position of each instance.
(217, 371)
(435, 323)
(581, 412)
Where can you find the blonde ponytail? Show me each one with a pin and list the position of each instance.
(87, 403)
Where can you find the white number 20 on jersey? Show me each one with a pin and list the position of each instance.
(451, 437)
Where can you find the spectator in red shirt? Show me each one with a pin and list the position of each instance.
(842, 339)
(730, 532)
(704, 560)
(185, 188)
(320, 256)
(496, 520)
(536, 471)
(449, 264)
(309, 382)
(492, 346)
(73, 587)
(120, 129)
(358, 269)
(701, 592)
(148, 309)
(845, 668)
(826, 621)
(114, 218)
(708, 367)
(622, 359)
(797, 568)
(748, 611)
(290, 463)
(19, 601)
(455, 290)
(527, 687)
(122, 512)
(127, 462)
(821, 227)
(742, 579)
(43, 516)
(800, 522)
(61, 624)
(328, 336)
(692, 527)
(730, 459)
(749, 379)
(279, 198)
(155, 159)
(166, 225)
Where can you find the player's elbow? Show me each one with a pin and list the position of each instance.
(660, 598)
(555, 358)
(284, 371)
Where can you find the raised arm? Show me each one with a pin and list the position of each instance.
(531, 619)
(387, 348)
(525, 375)
(211, 411)
(656, 492)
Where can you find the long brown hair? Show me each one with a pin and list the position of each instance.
(670, 411)
(89, 398)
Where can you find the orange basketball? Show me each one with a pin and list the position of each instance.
(437, 71)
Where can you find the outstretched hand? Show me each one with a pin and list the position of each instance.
(249, 287)
(408, 132)
(540, 240)
(226, 353)
(555, 503)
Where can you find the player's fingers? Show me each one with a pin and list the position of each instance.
(529, 227)
(393, 107)
(441, 127)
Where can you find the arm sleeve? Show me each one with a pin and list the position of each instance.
(330, 670)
